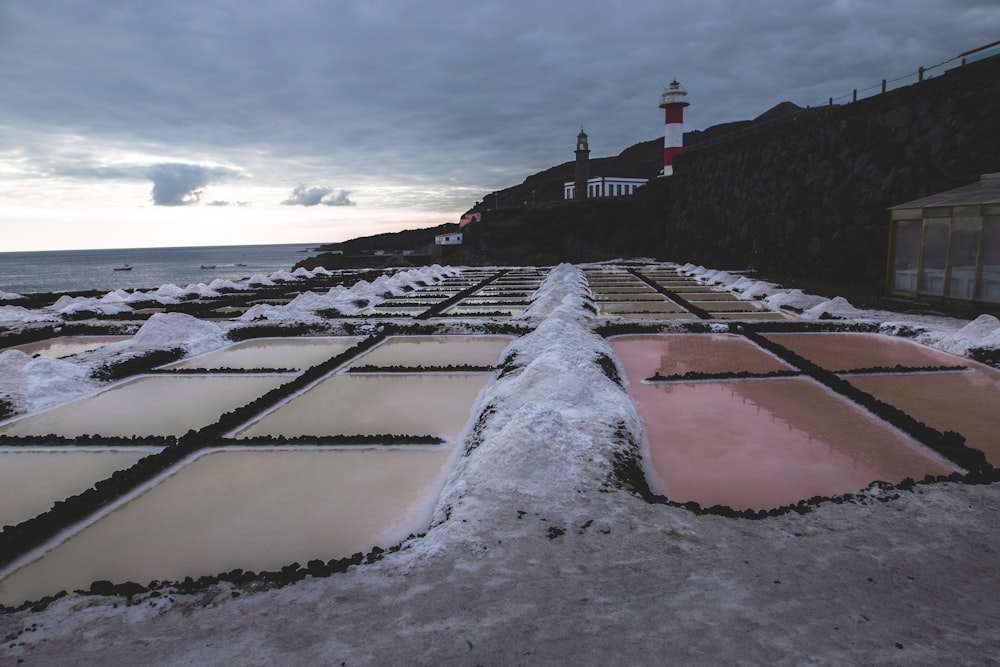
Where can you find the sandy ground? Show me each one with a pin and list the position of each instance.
(907, 581)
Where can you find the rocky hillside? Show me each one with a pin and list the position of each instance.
(641, 160)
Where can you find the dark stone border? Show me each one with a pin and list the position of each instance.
(732, 375)
(436, 309)
(224, 370)
(451, 368)
(140, 363)
(673, 296)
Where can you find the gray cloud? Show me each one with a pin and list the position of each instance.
(179, 184)
(303, 196)
(451, 96)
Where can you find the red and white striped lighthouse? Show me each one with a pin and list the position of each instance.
(672, 102)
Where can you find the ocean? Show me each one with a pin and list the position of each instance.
(80, 270)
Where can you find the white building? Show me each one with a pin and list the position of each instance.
(605, 186)
(448, 239)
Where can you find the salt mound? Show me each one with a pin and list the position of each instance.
(984, 332)
(795, 298)
(202, 290)
(95, 306)
(261, 280)
(63, 301)
(838, 307)
(283, 276)
(264, 311)
(168, 290)
(554, 414)
(164, 331)
(222, 283)
(33, 384)
(21, 314)
(749, 288)
(9, 296)
(565, 285)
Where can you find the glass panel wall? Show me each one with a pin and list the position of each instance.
(989, 285)
(963, 249)
(951, 252)
(906, 251)
(934, 255)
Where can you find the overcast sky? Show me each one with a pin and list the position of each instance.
(190, 122)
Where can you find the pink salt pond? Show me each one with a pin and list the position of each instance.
(758, 443)
(677, 354)
(849, 351)
(966, 402)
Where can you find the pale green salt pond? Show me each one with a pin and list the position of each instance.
(31, 480)
(660, 306)
(299, 353)
(254, 510)
(149, 405)
(373, 404)
(435, 351)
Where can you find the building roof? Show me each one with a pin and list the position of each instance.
(984, 191)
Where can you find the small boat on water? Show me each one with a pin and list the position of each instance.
(123, 267)
(208, 266)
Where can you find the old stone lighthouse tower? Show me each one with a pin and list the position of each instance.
(582, 165)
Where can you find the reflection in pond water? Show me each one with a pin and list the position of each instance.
(361, 404)
(763, 443)
(31, 480)
(160, 405)
(845, 351)
(68, 345)
(677, 354)
(255, 510)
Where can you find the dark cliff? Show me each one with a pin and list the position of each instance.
(808, 198)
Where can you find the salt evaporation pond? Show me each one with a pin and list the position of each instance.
(33, 479)
(683, 315)
(435, 351)
(676, 354)
(967, 402)
(150, 405)
(726, 305)
(68, 345)
(661, 306)
(766, 315)
(850, 351)
(295, 353)
(759, 443)
(374, 404)
(254, 510)
(710, 296)
(473, 310)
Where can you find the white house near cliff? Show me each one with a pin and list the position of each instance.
(454, 238)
